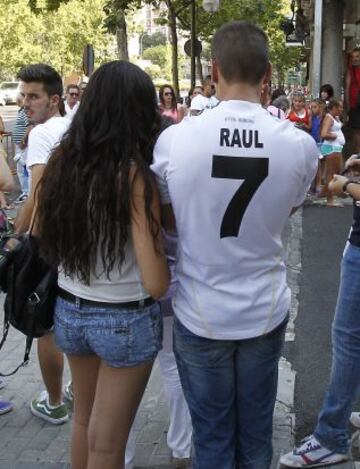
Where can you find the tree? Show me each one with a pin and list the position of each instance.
(157, 55)
(153, 40)
(51, 36)
(20, 39)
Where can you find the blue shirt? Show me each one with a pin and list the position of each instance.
(315, 129)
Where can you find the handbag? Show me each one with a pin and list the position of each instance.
(30, 285)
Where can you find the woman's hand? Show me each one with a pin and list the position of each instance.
(337, 183)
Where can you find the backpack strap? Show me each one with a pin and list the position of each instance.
(26, 360)
(29, 339)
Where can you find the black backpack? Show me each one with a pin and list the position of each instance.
(30, 285)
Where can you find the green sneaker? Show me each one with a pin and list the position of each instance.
(41, 408)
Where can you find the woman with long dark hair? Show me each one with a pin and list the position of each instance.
(168, 105)
(98, 219)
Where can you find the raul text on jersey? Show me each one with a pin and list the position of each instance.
(245, 138)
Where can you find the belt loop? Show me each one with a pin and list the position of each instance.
(141, 303)
(78, 302)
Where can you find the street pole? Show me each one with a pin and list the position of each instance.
(193, 44)
(316, 58)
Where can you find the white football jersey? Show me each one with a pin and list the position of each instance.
(232, 175)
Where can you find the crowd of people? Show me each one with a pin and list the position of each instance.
(170, 246)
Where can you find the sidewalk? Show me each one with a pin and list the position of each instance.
(27, 442)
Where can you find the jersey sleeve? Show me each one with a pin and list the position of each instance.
(39, 147)
(311, 162)
(160, 164)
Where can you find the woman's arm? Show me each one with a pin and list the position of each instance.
(325, 129)
(149, 252)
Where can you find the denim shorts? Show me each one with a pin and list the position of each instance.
(120, 337)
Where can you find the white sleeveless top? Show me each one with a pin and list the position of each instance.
(336, 129)
(122, 285)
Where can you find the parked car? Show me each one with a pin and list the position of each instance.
(8, 92)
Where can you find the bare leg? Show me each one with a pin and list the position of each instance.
(118, 395)
(333, 165)
(84, 370)
(51, 361)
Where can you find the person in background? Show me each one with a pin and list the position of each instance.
(352, 97)
(19, 136)
(206, 101)
(72, 101)
(106, 240)
(317, 107)
(279, 107)
(193, 92)
(276, 93)
(330, 442)
(331, 147)
(168, 105)
(326, 92)
(299, 114)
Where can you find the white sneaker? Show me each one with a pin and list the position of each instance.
(311, 454)
(355, 419)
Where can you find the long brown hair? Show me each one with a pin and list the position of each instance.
(84, 207)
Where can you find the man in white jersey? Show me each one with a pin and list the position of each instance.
(232, 175)
(41, 88)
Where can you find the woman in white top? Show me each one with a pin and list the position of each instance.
(98, 219)
(332, 145)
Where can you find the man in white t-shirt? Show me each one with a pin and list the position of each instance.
(206, 101)
(41, 88)
(232, 176)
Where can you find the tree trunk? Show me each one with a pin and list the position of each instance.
(281, 76)
(174, 47)
(121, 36)
(199, 69)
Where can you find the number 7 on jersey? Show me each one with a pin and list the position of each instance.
(253, 171)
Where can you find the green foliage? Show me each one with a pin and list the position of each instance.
(158, 55)
(153, 40)
(265, 13)
(56, 37)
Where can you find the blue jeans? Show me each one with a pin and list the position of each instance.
(230, 387)
(344, 388)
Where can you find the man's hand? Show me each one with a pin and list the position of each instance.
(337, 183)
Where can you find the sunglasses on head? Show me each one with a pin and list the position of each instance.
(168, 93)
(74, 94)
